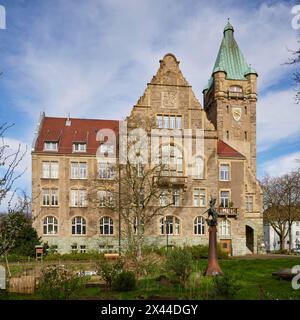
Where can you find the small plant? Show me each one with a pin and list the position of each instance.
(124, 281)
(108, 271)
(225, 286)
(58, 283)
(179, 264)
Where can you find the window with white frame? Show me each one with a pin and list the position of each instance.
(106, 170)
(50, 225)
(106, 226)
(167, 121)
(199, 225)
(224, 172)
(50, 146)
(163, 198)
(79, 147)
(224, 228)
(170, 225)
(171, 160)
(199, 168)
(106, 198)
(74, 248)
(82, 249)
(50, 169)
(135, 224)
(50, 197)
(225, 199)
(236, 89)
(78, 225)
(78, 170)
(199, 197)
(176, 197)
(249, 203)
(78, 198)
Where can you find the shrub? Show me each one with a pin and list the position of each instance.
(108, 270)
(201, 252)
(179, 263)
(225, 286)
(124, 281)
(58, 283)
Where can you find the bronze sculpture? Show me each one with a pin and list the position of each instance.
(213, 267)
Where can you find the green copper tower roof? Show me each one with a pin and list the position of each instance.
(230, 58)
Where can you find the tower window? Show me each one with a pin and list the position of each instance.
(227, 135)
(235, 89)
(246, 135)
(246, 111)
(227, 109)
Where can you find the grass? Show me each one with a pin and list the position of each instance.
(254, 278)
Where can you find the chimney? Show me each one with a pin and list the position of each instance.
(68, 121)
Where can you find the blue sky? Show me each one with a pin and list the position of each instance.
(93, 59)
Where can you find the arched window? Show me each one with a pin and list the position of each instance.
(78, 225)
(170, 225)
(50, 225)
(236, 89)
(199, 168)
(199, 225)
(106, 226)
(224, 228)
(135, 224)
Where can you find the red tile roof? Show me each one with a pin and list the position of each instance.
(225, 150)
(80, 130)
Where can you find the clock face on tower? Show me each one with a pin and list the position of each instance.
(236, 113)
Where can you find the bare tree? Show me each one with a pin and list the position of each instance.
(9, 161)
(282, 204)
(137, 193)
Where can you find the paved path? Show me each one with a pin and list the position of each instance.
(266, 256)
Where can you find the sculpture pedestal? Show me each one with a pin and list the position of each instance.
(213, 268)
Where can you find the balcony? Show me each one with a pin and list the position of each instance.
(227, 212)
(180, 181)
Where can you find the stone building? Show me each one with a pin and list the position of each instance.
(224, 163)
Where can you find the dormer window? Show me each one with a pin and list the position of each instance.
(50, 146)
(79, 147)
(236, 89)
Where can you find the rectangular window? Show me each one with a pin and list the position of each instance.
(106, 170)
(82, 249)
(159, 122)
(168, 121)
(163, 199)
(54, 169)
(224, 199)
(176, 197)
(79, 147)
(50, 197)
(78, 170)
(249, 203)
(74, 248)
(199, 197)
(74, 198)
(46, 169)
(50, 146)
(224, 172)
(82, 198)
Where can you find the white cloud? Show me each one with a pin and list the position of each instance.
(94, 59)
(281, 165)
(277, 118)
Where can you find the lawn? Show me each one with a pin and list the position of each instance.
(253, 278)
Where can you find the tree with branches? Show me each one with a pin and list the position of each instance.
(9, 161)
(282, 204)
(136, 192)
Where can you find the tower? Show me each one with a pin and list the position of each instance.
(230, 98)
